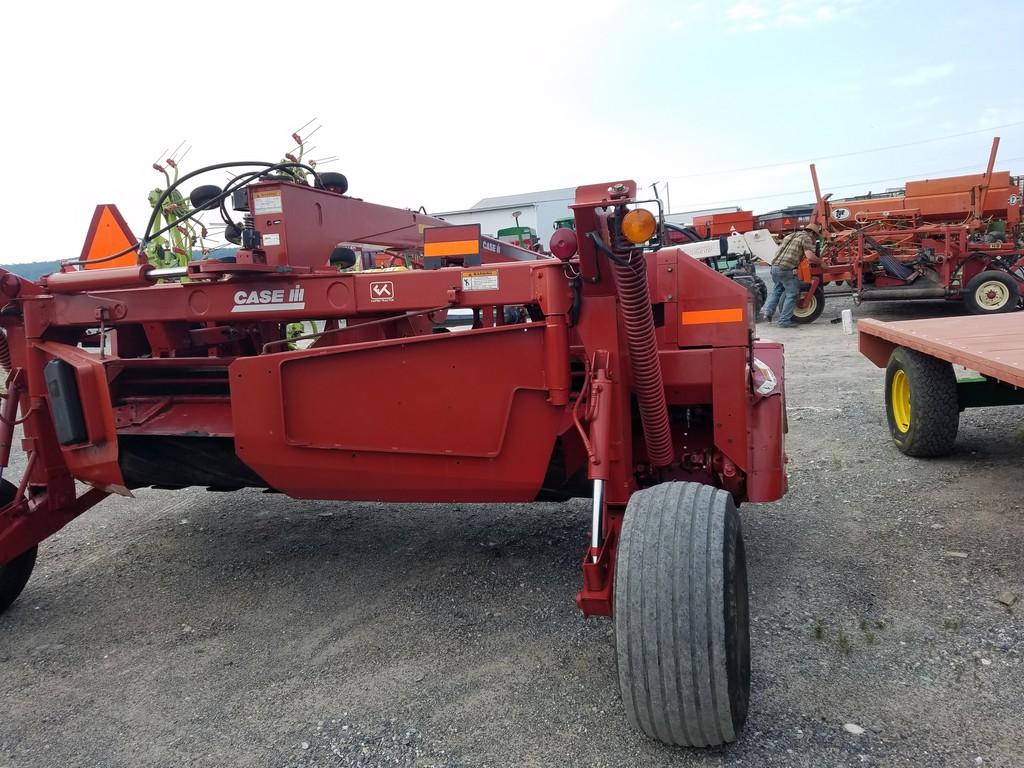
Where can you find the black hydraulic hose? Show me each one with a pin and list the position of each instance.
(236, 183)
(688, 232)
(219, 166)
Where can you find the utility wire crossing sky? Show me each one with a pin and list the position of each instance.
(442, 104)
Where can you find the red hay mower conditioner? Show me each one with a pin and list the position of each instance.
(635, 379)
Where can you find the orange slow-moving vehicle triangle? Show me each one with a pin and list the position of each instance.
(109, 234)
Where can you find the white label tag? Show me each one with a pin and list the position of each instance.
(271, 239)
(267, 202)
(480, 280)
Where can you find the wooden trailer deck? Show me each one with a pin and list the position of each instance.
(992, 345)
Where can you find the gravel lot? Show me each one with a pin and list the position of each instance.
(246, 629)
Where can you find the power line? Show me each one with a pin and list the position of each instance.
(842, 154)
(926, 174)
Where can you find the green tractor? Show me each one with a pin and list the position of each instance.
(524, 237)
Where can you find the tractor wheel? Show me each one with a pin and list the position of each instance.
(14, 575)
(760, 293)
(921, 403)
(682, 625)
(812, 311)
(991, 292)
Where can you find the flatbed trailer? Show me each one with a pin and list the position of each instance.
(923, 395)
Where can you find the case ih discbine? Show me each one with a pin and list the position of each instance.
(955, 238)
(635, 380)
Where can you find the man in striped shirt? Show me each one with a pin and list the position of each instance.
(796, 247)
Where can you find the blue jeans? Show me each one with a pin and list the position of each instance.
(784, 282)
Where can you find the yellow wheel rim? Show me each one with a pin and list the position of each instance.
(809, 309)
(899, 398)
(992, 295)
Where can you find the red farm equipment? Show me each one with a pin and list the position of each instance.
(634, 378)
(724, 224)
(956, 238)
(785, 220)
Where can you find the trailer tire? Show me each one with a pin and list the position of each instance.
(812, 311)
(991, 292)
(682, 625)
(14, 575)
(921, 403)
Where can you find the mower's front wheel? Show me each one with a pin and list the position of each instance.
(682, 628)
(14, 574)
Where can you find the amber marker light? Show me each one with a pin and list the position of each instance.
(639, 225)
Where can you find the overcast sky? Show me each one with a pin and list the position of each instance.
(440, 104)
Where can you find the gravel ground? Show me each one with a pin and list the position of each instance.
(245, 629)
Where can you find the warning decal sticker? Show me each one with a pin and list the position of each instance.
(480, 280)
(268, 201)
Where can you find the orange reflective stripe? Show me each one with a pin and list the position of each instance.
(451, 248)
(704, 316)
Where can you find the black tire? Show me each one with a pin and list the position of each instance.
(335, 182)
(991, 293)
(760, 293)
(682, 624)
(929, 424)
(203, 196)
(14, 575)
(813, 310)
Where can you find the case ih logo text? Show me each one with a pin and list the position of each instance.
(383, 291)
(270, 300)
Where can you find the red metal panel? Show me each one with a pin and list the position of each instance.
(954, 184)
(94, 462)
(302, 225)
(717, 224)
(313, 423)
(942, 200)
(462, 241)
(766, 476)
(729, 403)
(183, 416)
(992, 345)
(873, 348)
(687, 375)
(701, 290)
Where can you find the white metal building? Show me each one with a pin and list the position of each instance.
(539, 210)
